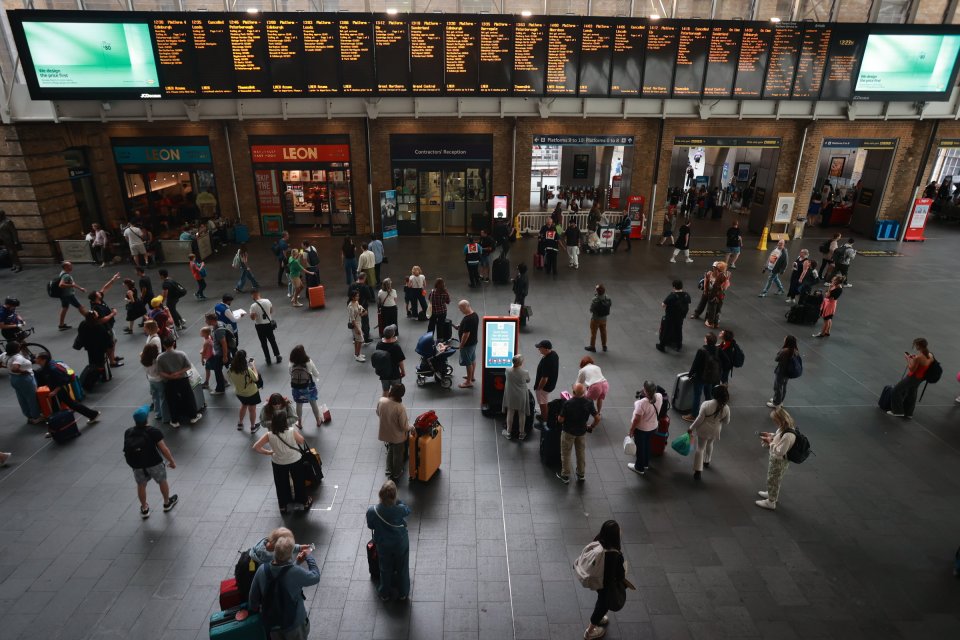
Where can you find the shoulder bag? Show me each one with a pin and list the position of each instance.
(309, 460)
(273, 323)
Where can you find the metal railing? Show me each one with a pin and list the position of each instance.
(531, 221)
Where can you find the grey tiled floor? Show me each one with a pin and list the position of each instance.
(860, 547)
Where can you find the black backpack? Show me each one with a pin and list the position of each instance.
(825, 247)
(177, 290)
(711, 368)
(382, 363)
(54, 290)
(737, 357)
(244, 571)
(934, 373)
(800, 450)
(138, 449)
(603, 307)
(300, 378)
(275, 613)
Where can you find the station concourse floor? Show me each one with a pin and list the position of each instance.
(861, 545)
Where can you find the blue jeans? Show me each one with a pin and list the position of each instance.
(245, 275)
(773, 279)
(706, 388)
(350, 271)
(201, 286)
(158, 392)
(26, 389)
(215, 364)
(642, 438)
(394, 569)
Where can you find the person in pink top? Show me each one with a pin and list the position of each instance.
(206, 352)
(829, 306)
(644, 423)
(592, 378)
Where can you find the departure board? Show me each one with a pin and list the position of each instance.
(752, 64)
(722, 61)
(212, 56)
(812, 62)
(391, 44)
(626, 69)
(321, 56)
(248, 42)
(426, 56)
(563, 58)
(846, 50)
(596, 50)
(692, 51)
(285, 56)
(661, 55)
(461, 57)
(529, 57)
(784, 54)
(496, 56)
(175, 56)
(356, 55)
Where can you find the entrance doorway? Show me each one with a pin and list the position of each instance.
(575, 171)
(943, 185)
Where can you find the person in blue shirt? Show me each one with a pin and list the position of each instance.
(376, 245)
(388, 522)
(225, 314)
(284, 614)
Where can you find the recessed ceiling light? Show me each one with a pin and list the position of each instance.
(391, 11)
(253, 10)
(654, 16)
(774, 19)
(526, 14)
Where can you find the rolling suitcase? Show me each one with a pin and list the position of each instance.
(313, 470)
(501, 271)
(425, 455)
(550, 447)
(538, 261)
(47, 402)
(660, 437)
(373, 561)
(198, 398)
(224, 625)
(316, 297)
(886, 398)
(683, 394)
(230, 595)
(63, 426)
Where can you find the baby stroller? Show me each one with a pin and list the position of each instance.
(433, 359)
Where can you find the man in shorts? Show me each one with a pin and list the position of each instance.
(135, 237)
(143, 447)
(68, 296)
(468, 330)
(548, 372)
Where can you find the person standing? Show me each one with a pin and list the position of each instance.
(796, 272)
(548, 372)
(573, 419)
(295, 269)
(550, 240)
(675, 307)
(779, 443)
(355, 314)
(842, 258)
(242, 261)
(245, 379)
(23, 382)
(348, 259)
(829, 306)
(223, 347)
(614, 574)
(144, 286)
(226, 316)
(571, 238)
(591, 377)
(95, 340)
(284, 442)
(516, 399)
(174, 367)
(439, 299)
(172, 292)
(730, 354)
(365, 299)
(261, 312)
(136, 241)
(387, 520)
(415, 294)
(734, 244)
(781, 371)
(468, 332)
(303, 382)
(704, 372)
(471, 255)
(826, 254)
(624, 226)
(904, 398)
(144, 451)
(599, 312)
(777, 263)
(311, 256)
(55, 378)
(367, 263)
(390, 345)
(395, 429)
(521, 289)
(666, 236)
(158, 396)
(486, 250)
(291, 621)
(387, 304)
(713, 414)
(376, 246)
(136, 307)
(715, 283)
(198, 269)
(11, 240)
(281, 250)
(646, 413)
(99, 244)
(68, 296)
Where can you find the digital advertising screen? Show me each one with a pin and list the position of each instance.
(499, 342)
(917, 66)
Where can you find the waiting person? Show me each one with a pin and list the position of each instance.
(624, 226)
(414, 294)
(367, 297)
(387, 304)
(281, 250)
(284, 451)
(388, 522)
(310, 255)
(355, 314)
(591, 377)
(227, 318)
(291, 578)
(777, 263)
(11, 322)
(808, 278)
(486, 250)
(548, 373)
(521, 288)
(666, 235)
(152, 331)
(571, 238)
(367, 263)
(573, 419)
(780, 378)
(55, 378)
(173, 291)
(614, 573)
(145, 451)
(550, 239)
(244, 377)
(376, 246)
(137, 242)
(728, 348)
(136, 307)
(469, 336)
(11, 241)
(516, 399)
(715, 283)
(713, 414)
(395, 429)
(734, 244)
(472, 253)
(278, 404)
(223, 350)
(160, 317)
(675, 307)
(242, 262)
(439, 299)
(796, 271)
(599, 312)
(264, 322)
(704, 372)
(174, 367)
(68, 294)
(148, 358)
(842, 258)
(296, 271)
(348, 259)
(682, 243)
(646, 413)
(826, 254)
(390, 345)
(263, 551)
(904, 399)
(779, 443)
(829, 306)
(99, 244)
(303, 382)
(23, 382)
(95, 340)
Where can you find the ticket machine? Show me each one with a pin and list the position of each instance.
(500, 342)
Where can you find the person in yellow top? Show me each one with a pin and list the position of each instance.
(243, 376)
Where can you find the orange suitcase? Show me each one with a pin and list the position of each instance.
(424, 455)
(45, 401)
(316, 298)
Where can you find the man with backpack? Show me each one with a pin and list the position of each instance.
(599, 311)
(173, 291)
(704, 373)
(842, 258)
(224, 345)
(64, 288)
(277, 591)
(144, 451)
(313, 259)
(731, 355)
(281, 249)
(388, 360)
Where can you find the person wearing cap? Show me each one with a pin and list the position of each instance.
(391, 346)
(468, 330)
(548, 372)
(10, 320)
(145, 450)
(160, 316)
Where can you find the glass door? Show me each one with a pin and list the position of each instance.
(431, 202)
(408, 218)
(454, 203)
(478, 199)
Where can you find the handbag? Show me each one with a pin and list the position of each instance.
(629, 446)
(325, 416)
(309, 460)
(78, 343)
(682, 444)
(273, 323)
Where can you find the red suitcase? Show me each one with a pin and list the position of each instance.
(316, 297)
(658, 441)
(538, 261)
(47, 402)
(230, 595)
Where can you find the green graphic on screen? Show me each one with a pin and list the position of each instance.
(72, 55)
(908, 63)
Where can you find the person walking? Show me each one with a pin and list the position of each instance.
(439, 299)
(682, 243)
(261, 312)
(571, 239)
(715, 283)
(394, 430)
(158, 396)
(521, 288)
(376, 246)
(730, 354)
(68, 296)
(55, 378)
(842, 258)
(281, 250)
(136, 241)
(471, 255)
(826, 254)
(599, 312)
(516, 399)
(624, 226)
(387, 304)
(550, 241)
(829, 306)
(904, 398)
(614, 578)
(144, 285)
(734, 244)
(348, 260)
(782, 370)
(713, 414)
(675, 307)
(469, 335)
(284, 450)
(174, 367)
(367, 263)
(666, 235)
(387, 520)
(777, 263)
(144, 451)
(23, 382)
(198, 269)
(355, 315)
(414, 294)
(173, 291)
(646, 413)
(704, 372)
(246, 383)
(288, 577)
(591, 377)
(390, 346)
(241, 261)
(303, 383)
(11, 241)
(135, 306)
(367, 297)
(573, 419)
(545, 381)
(779, 443)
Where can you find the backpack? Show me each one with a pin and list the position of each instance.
(244, 571)
(312, 258)
(825, 247)
(603, 307)
(230, 336)
(588, 566)
(382, 363)
(934, 373)
(237, 262)
(138, 448)
(800, 450)
(274, 612)
(300, 378)
(664, 405)
(711, 368)
(176, 290)
(275, 247)
(794, 367)
(53, 288)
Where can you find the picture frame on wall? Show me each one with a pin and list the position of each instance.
(743, 171)
(836, 166)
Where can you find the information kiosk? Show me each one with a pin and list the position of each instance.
(500, 344)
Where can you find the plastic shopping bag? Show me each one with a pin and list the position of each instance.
(629, 446)
(682, 444)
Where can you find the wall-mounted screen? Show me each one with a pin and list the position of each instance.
(912, 64)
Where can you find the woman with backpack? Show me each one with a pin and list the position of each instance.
(779, 443)
(285, 458)
(646, 414)
(904, 398)
(246, 383)
(303, 383)
(713, 415)
(784, 371)
(611, 596)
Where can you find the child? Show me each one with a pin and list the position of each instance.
(206, 352)
(199, 270)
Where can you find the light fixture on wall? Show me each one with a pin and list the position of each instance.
(525, 13)
(391, 11)
(654, 16)
(253, 10)
(774, 19)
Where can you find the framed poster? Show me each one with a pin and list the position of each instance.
(784, 212)
(581, 166)
(743, 171)
(388, 214)
(836, 166)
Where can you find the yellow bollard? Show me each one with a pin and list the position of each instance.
(763, 239)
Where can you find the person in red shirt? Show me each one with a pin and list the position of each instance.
(198, 269)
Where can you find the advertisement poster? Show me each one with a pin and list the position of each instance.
(918, 220)
(635, 211)
(388, 214)
(499, 341)
(784, 211)
(500, 209)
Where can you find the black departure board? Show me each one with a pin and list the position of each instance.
(692, 52)
(496, 56)
(563, 57)
(248, 41)
(285, 55)
(391, 44)
(722, 61)
(661, 54)
(356, 55)
(462, 56)
(752, 64)
(175, 56)
(596, 51)
(814, 47)
(529, 57)
(846, 50)
(321, 58)
(626, 69)
(426, 56)
(212, 56)
(784, 54)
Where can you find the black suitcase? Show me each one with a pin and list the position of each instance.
(803, 314)
(5, 260)
(62, 426)
(886, 398)
(501, 271)
(91, 376)
(527, 420)
(550, 447)
(683, 394)
(373, 561)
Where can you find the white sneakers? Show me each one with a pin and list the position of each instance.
(673, 259)
(689, 259)
(763, 494)
(360, 358)
(766, 504)
(633, 467)
(772, 404)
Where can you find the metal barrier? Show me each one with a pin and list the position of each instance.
(531, 221)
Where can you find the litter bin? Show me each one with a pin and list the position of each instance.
(798, 226)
